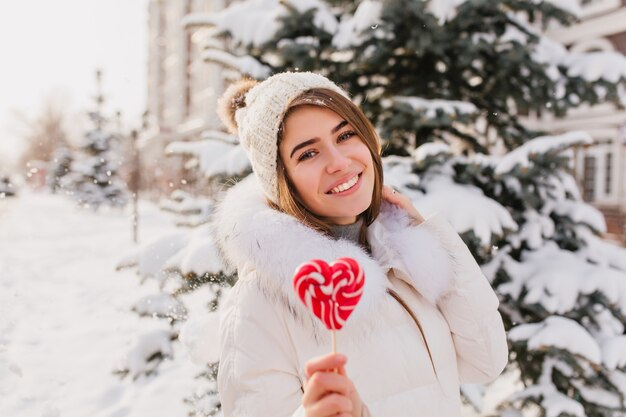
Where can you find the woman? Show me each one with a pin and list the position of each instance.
(428, 318)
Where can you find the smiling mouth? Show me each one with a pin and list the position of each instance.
(346, 185)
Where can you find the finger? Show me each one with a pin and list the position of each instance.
(387, 190)
(351, 388)
(387, 194)
(395, 199)
(331, 405)
(324, 363)
(391, 192)
(324, 383)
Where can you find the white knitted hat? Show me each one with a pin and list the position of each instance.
(258, 122)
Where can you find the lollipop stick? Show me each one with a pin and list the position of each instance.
(334, 347)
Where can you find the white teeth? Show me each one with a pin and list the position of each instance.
(345, 186)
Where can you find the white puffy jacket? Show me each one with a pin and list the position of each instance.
(427, 320)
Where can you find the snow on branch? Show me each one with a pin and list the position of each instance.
(559, 332)
(535, 228)
(523, 156)
(444, 10)
(219, 135)
(581, 212)
(181, 202)
(466, 208)
(248, 23)
(593, 66)
(552, 401)
(181, 253)
(555, 278)
(431, 149)
(601, 251)
(256, 22)
(235, 162)
(215, 156)
(198, 19)
(614, 352)
(200, 256)
(431, 107)
(150, 258)
(352, 28)
(148, 350)
(162, 306)
(323, 18)
(243, 64)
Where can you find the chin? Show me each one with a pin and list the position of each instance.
(359, 208)
(355, 208)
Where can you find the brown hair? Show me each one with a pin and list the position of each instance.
(288, 199)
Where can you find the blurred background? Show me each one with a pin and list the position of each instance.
(505, 116)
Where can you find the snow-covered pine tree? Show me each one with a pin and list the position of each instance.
(218, 160)
(93, 180)
(58, 167)
(447, 85)
(7, 188)
(190, 274)
(563, 289)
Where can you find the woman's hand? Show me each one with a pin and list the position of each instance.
(329, 393)
(402, 201)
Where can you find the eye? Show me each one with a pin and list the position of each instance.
(306, 155)
(346, 135)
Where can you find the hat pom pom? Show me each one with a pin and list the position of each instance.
(232, 100)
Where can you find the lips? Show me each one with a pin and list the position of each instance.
(348, 182)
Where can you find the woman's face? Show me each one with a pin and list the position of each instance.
(329, 165)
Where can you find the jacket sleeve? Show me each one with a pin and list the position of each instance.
(470, 307)
(257, 374)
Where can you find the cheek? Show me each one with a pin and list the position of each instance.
(306, 183)
(363, 154)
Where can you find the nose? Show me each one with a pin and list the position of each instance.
(337, 161)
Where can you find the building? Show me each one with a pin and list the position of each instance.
(182, 89)
(599, 169)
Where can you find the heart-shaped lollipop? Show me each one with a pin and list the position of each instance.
(330, 291)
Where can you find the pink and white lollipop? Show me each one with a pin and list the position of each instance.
(332, 291)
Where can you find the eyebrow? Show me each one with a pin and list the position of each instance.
(310, 141)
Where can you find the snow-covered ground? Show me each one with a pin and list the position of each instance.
(65, 319)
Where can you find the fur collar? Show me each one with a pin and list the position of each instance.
(266, 245)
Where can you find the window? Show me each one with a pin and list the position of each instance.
(589, 178)
(608, 185)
